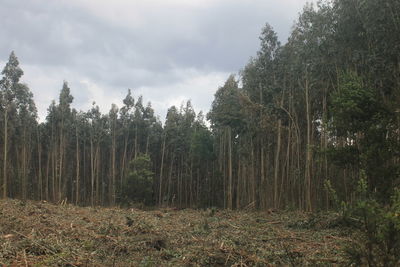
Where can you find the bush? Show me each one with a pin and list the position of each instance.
(380, 243)
(138, 186)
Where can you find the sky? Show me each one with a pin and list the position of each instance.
(169, 51)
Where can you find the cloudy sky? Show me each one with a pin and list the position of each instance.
(166, 50)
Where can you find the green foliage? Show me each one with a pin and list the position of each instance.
(138, 186)
(355, 107)
(202, 143)
(360, 119)
(225, 109)
(342, 156)
(379, 244)
(331, 192)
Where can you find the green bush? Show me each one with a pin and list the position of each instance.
(379, 245)
(138, 186)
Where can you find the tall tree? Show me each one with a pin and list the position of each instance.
(15, 97)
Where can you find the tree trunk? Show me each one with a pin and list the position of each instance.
(124, 161)
(170, 180)
(136, 141)
(308, 149)
(113, 170)
(263, 183)
(5, 153)
(40, 178)
(77, 168)
(23, 165)
(161, 172)
(230, 178)
(61, 165)
(46, 192)
(147, 144)
(277, 165)
(92, 172)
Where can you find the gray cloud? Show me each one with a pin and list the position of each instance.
(166, 50)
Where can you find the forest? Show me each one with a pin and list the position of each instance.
(296, 163)
(296, 128)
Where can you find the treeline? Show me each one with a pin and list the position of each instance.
(86, 157)
(302, 119)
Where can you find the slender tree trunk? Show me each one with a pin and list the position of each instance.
(113, 170)
(191, 183)
(5, 153)
(253, 173)
(238, 186)
(61, 152)
(97, 172)
(277, 156)
(180, 182)
(285, 179)
(46, 192)
(198, 186)
(171, 198)
(124, 161)
(230, 176)
(23, 165)
(147, 144)
(92, 172)
(136, 141)
(54, 171)
(222, 165)
(84, 187)
(40, 178)
(263, 183)
(77, 168)
(277, 165)
(161, 172)
(308, 149)
(325, 144)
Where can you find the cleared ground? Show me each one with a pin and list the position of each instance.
(43, 234)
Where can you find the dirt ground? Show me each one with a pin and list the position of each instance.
(44, 234)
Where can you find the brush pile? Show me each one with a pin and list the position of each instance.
(44, 234)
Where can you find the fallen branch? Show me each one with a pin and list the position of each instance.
(44, 247)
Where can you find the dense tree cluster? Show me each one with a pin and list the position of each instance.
(321, 109)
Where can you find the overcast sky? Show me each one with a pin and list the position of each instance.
(166, 50)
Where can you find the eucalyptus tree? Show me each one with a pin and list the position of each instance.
(25, 140)
(307, 46)
(202, 157)
(169, 156)
(148, 123)
(113, 119)
(125, 118)
(185, 177)
(80, 125)
(137, 121)
(267, 55)
(227, 121)
(50, 133)
(96, 134)
(64, 138)
(17, 107)
(255, 129)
